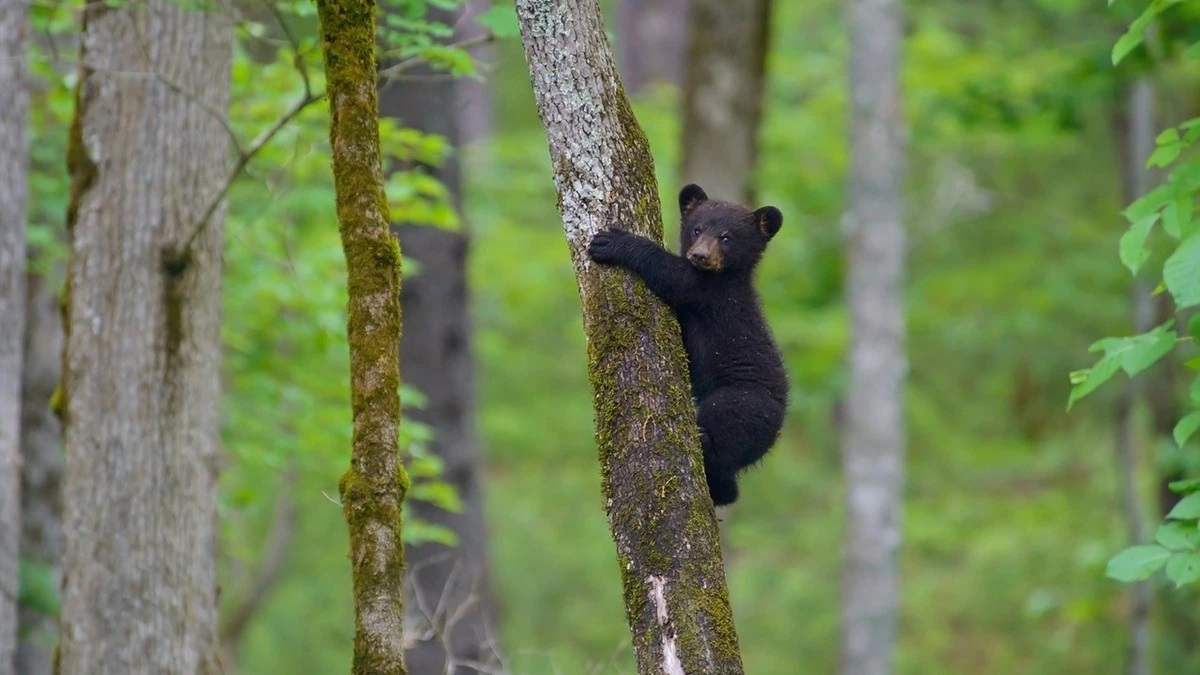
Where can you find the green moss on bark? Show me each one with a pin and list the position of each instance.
(374, 486)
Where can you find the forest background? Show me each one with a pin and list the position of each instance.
(1019, 132)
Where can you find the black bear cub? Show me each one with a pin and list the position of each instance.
(738, 380)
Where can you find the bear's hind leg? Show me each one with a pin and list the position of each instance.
(737, 427)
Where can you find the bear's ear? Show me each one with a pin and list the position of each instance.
(690, 197)
(769, 220)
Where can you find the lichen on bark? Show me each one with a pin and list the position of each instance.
(659, 511)
(374, 486)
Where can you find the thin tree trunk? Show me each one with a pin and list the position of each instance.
(14, 194)
(449, 603)
(373, 488)
(651, 42)
(474, 106)
(41, 469)
(874, 434)
(147, 157)
(661, 517)
(1136, 132)
(723, 95)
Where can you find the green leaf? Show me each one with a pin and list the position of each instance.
(1188, 508)
(1185, 486)
(1137, 562)
(1178, 535)
(1186, 427)
(1184, 568)
(1181, 272)
(1150, 202)
(501, 20)
(1137, 31)
(1133, 243)
(1100, 373)
(1194, 326)
(1146, 353)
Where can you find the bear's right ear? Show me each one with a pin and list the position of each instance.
(690, 197)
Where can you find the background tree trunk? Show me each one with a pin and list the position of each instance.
(474, 105)
(41, 469)
(874, 433)
(651, 40)
(14, 196)
(723, 95)
(148, 157)
(449, 604)
(1135, 128)
(661, 517)
(373, 488)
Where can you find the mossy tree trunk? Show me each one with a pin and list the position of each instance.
(141, 383)
(373, 488)
(14, 168)
(661, 517)
(874, 433)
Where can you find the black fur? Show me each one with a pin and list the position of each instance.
(738, 380)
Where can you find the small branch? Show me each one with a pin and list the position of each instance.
(297, 58)
(391, 72)
(283, 526)
(244, 158)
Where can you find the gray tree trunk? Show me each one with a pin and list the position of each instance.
(874, 431)
(14, 196)
(448, 602)
(659, 511)
(1136, 132)
(148, 156)
(41, 468)
(723, 95)
(474, 105)
(651, 42)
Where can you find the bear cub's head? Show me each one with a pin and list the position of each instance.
(717, 236)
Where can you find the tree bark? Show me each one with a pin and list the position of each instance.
(14, 197)
(1135, 135)
(449, 602)
(651, 41)
(661, 517)
(874, 433)
(723, 95)
(373, 488)
(148, 156)
(41, 468)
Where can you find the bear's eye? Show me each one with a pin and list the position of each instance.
(725, 237)
(695, 232)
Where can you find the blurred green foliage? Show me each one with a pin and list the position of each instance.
(1011, 506)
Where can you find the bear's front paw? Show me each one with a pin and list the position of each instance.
(605, 245)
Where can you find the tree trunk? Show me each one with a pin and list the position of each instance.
(474, 106)
(14, 195)
(1135, 135)
(41, 470)
(661, 517)
(148, 156)
(373, 488)
(874, 432)
(723, 95)
(651, 40)
(449, 603)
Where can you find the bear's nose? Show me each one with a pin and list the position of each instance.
(698, 257)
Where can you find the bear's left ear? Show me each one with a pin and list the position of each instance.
(690, 197)
(769, 220)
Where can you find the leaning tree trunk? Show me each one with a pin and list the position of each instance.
(449, 603)
(723, 95)
(373, 488)
(148, 156)
(873, 435)
(41, 470)
(14, 168)
(676, 601)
